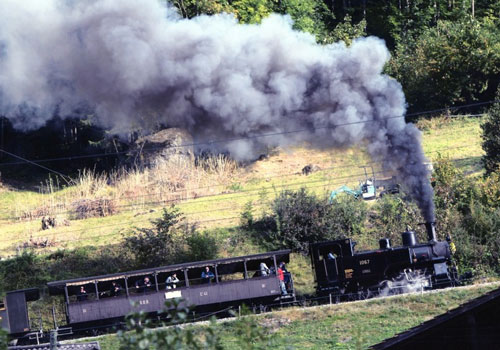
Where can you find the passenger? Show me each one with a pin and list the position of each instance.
(171, 281)
(285, 272)
(331, 256)
(281, 277)
(144, 285)
(207, 275)
(82, 294)
(116, 289)
(264, 270)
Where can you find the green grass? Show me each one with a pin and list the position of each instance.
(457, 138)
(355, 325)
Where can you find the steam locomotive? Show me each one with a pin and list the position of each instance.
(345, 273)
(340, 272)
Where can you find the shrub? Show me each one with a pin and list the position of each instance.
(300, 218)
(3, 339)
(23, 271)
(169, 241)
(138, 333)
(478, 240)
(491, 137)
(201, 246)
(155, 246)
(392, 214)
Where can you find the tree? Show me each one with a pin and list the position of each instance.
(345, 31)
(169, 241)
(455, 62)
(491, 137)
(155, 246)
(301, 218)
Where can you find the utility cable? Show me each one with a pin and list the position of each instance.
(166, 201)
(132, 205)
(131, 222)
(97, 155)
(64, 177)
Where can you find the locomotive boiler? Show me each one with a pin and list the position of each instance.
(345, 273)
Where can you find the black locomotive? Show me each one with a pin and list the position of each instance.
(340, 271)
(345, 273)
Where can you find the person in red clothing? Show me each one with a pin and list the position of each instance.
(281, 277)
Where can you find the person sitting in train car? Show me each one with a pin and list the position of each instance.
(172, 281)
(207, 275)
(82, 294)
(281, 277)
(115, 289)
(264, 270)
(144, 285)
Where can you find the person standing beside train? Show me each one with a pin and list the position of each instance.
(281, 277)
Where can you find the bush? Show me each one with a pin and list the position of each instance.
(139, 332)
(169, 241)
(478, 240)
(23, 271)
(299, 218)
(3, 339)
(491, 137)
(392, 214)
(201, 246)
(155, 246)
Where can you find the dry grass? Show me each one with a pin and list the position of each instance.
(93, 194)
(138, 194)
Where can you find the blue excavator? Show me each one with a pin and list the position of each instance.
(366, 189)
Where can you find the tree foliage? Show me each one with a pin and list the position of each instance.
(140, 335)
(170, 240)
(491, 137)
(454, 62)
(300, 217)
(3, 339)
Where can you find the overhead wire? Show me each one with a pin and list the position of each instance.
(196, 197)
(130, 222)
(64, 177)
(145, 220)
(208, 142)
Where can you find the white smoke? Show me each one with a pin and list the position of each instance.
(137, 64)
(407, 281)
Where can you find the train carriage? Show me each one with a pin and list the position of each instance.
(235, 281)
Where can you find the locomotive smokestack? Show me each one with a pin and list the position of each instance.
(431, 231)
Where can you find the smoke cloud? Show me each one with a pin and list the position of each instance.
(137, 64)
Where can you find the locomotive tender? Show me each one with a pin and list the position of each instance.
(339, 270)
(345, 273)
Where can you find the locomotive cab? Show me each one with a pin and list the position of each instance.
(327, 259)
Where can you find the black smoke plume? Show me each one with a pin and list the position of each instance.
(137, 64)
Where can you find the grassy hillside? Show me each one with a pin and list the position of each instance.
(212, 195)
(355, 325)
